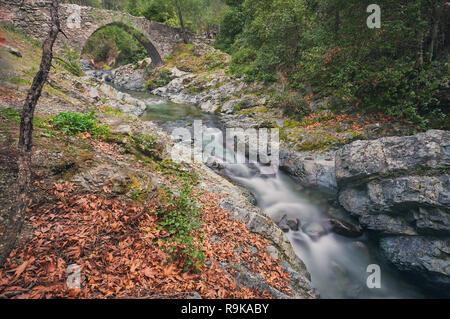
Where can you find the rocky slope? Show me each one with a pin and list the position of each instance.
(396, 186)
(128, 172)
(225, 96)
(236, 203)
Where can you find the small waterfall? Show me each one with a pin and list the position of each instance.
(338, 265)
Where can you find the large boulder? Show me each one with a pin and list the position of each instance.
(400, 188)
(243, 102)
(310, 169)
(417, 254)
(390, 156)
(130, 76)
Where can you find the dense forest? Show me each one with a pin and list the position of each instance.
(319, 47)
(326, 47)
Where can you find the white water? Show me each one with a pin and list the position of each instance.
(337, 264)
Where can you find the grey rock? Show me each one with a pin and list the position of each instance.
(246, 278)
(124, 129)
(293, 224)
(283, 224)
(130, 76)
(342, 228)
(318, 172)
(387, 155)
(228, 107)
(11, 50)
(400, 186)
(314, 230)
(426, 257)
(432, 220)
(387, 224)
(193, 295)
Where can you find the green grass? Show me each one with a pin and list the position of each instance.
(8, 27)
(112, 111)
(19, 81)
(145, 144)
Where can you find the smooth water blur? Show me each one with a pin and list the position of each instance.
(337, 264)
(162, 111)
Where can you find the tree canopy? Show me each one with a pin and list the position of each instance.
(326, 47)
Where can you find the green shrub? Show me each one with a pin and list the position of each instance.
(71, 123)
(291, 103)
(145, 144)
(327, 48)
(71, 60)
(19, 81)
(159, 79)
(232, 24)
(181, 217)
(10, 114)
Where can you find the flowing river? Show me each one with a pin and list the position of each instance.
(338, 265)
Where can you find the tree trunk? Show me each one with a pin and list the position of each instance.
(434, 30)
(420, 36)
(16, 214)
(180, 18)
(336, 25)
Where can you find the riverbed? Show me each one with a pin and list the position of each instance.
(340, 267)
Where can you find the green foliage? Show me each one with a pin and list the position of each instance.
(19, 81)
(209, 14)
(159, 79)
(14, 115)
(326, 48)
(171, 168)
(232, 24)
(113, 111)
(114, 46)
(145, 144)
(197, 14)
(71, 123)
(182, 219)
(10, 114)
(160, 11)
(291, 103)
(71, 60)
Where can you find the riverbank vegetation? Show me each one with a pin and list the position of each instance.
(112, 203)
(325, 48)
(140, 225)
(196, 15)
(112, 46)
(312, 50)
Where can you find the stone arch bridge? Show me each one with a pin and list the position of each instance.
(78, 23)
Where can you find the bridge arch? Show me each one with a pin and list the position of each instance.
(138, 35)
(78, 23)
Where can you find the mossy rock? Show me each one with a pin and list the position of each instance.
(139, 187)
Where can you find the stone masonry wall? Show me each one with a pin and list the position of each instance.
(79, 23)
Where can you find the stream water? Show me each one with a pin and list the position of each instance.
(338, 265)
